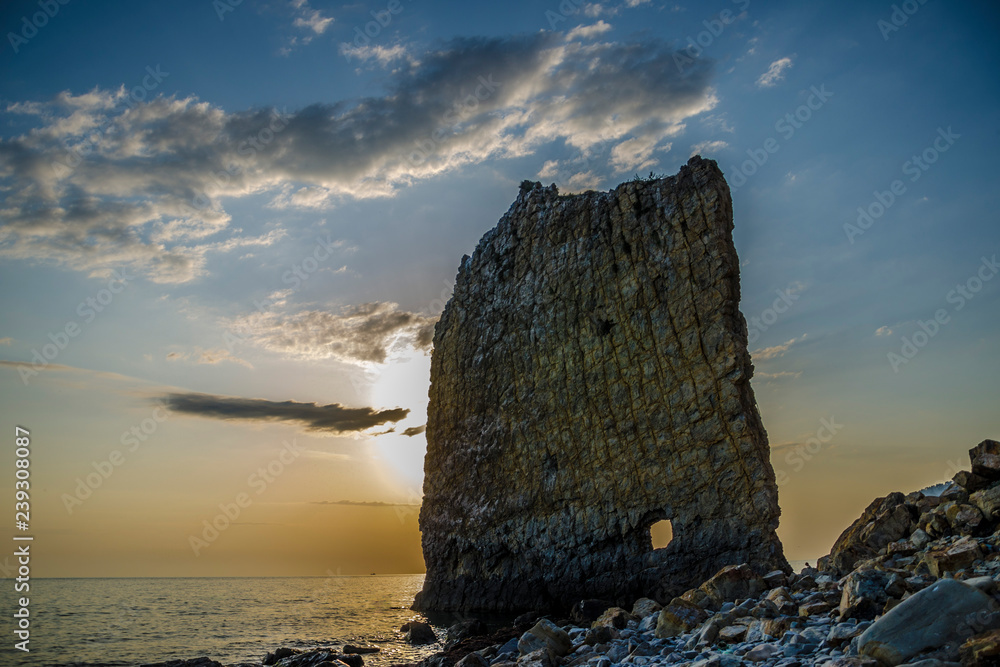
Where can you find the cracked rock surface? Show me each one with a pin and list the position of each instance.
(590, 377)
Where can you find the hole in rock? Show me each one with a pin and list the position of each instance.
(661, 533)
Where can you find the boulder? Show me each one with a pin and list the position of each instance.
(762, 652)
(600, 634)
(842, 633)
(644, 607)
(473, 659)
(539, 658)
(925, 621)
(970, 481)
(986, 459)
(964, 519)
(988, 501)
(958, 556)
(418, 632)
(615, 617)
(863, 595)
(982, 650)
(934, 522)
(884, 521)
(731, 583)
(697, 596)
(732, 634)
(363, 650)
(545, 634)
(679, 617)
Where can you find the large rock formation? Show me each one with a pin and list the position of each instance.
(590, 377)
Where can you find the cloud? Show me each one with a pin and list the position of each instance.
(105, 182)
(415, 430)
(366, 333)
(883, 331)
(6, 341)
(363, 503)
(780, 375)
(774, 73)
(708, 147)
(334, 418)
(588, 31)
(213, 356)
(778, 350)
(310, 21)
(383, 55)
(718, 122)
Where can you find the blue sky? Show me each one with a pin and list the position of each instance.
(276, 208)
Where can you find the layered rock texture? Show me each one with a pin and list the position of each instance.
(590, 377)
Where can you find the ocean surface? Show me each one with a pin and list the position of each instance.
(135, 621)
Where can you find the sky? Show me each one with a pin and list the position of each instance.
(227, 229)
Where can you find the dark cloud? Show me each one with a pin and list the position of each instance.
(103, 182)
(415, 430)
(334, 417)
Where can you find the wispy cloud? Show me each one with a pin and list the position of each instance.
(415, 430)
(708, 147)
(363, 503)
(311, 22)
(776, 351)
(96, 185)
(366, 333)
(334, 418)
(6, 341)
(883, 331)
(383, 55)
(782, 375)
(212, 356)
(774, 73)
(588, 31)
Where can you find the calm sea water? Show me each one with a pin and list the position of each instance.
(132, 621)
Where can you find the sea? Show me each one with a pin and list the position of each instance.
(127, 622)
(137, 621)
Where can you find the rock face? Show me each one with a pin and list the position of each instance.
(590, 377)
